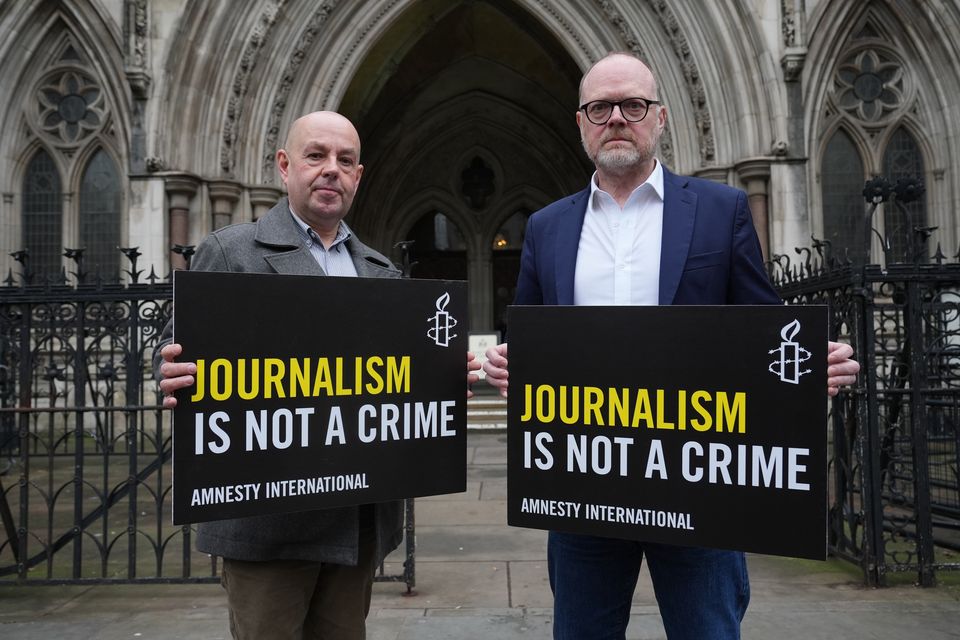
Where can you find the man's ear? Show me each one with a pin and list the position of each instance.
(283, 164)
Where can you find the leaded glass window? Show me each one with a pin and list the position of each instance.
(100, 216)
(902, 159)
(43, 215)
(841, 181)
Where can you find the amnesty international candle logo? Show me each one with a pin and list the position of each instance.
(309, 396)
(791, 355)
(650, 428)
(443, 323)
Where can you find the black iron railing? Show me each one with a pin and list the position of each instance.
(85, 446)
(895, 489)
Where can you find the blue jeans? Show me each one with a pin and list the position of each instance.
(702, 593)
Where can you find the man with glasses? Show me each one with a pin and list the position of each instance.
(640, 235)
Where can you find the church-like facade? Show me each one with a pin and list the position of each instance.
(149, 123)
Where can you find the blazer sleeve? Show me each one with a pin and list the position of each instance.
(749, 282)
(529, 291)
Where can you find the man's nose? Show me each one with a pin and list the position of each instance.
(329, 165)
(617, 115)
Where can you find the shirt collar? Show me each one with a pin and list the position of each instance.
(655, 180)
(310, 236)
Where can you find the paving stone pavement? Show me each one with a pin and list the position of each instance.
(477, 578)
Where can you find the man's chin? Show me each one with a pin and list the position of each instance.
(619, 160)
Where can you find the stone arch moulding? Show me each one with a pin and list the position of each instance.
(509, 203)
(350, 29)
(428, 200)
(839, 29)
(53, 42)
(75, 177)
(689, 142)
(532, 139)
(833, 39)
(736, 66)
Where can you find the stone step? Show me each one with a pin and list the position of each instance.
(487, 412)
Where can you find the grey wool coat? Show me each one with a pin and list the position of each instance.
(273, 245)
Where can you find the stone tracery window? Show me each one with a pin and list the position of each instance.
(68, 109)
(871, 95)
(869, 85)
(70, 106)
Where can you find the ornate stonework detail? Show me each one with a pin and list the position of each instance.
(691, 72)
(788, 23)
(551, 8)
(241, 83)
(359, 36)
(304, 43)
(69, 107)
(869, 86)
(135, 31)
(666, 147)
(792, 65)
(155, 164)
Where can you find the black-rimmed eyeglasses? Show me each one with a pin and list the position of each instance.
(632, 109)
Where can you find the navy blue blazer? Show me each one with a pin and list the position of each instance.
(709, 252)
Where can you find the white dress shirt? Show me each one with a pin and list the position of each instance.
(618, 260)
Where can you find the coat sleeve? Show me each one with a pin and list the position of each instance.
(209, 256)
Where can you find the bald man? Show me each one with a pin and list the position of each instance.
(300, 575)
(640, 235)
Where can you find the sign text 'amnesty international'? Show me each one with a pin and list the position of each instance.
(329, 406)
(700, 426)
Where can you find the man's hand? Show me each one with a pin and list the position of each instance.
(176, 375)
(842, 369)
(472, 365)
(496, 368)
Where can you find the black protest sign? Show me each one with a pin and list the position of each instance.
(316, 392)
(695, 426)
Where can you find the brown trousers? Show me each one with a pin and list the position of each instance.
(300, 600)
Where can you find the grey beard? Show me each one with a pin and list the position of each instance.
(618, 161)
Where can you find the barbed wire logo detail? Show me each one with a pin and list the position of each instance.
(443, 323)
(791, 355)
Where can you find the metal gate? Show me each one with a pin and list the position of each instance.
(895, 438)
(84, 444)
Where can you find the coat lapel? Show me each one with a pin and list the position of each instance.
(568, 242)
(679, 216)
(278, 230)
(369, 264)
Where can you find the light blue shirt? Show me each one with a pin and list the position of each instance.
(335, 261)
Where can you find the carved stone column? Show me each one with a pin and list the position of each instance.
(262, 199)
(224, 196)
(480, 276)
(10, 234)
(755, 174)
(180, 190)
